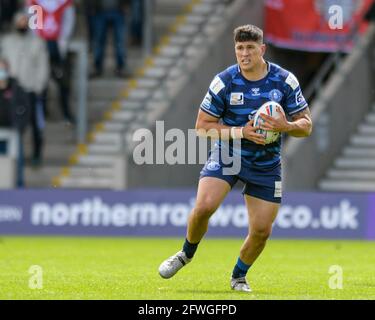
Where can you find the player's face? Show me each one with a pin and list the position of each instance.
(249, 54)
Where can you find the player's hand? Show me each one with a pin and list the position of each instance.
(278, 125)
(249, 133)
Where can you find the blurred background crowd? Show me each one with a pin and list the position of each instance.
(29, 59)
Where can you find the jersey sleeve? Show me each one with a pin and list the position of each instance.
(295, 101)
(214, 101)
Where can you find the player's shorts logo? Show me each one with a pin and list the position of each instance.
(278, 189)
(275, 95)
(236, 98)
(213, 166)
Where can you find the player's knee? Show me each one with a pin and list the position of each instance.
(261, 232)
(204, 210)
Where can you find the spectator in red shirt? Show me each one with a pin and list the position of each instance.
(58, 25)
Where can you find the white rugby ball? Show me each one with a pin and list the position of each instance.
(268, 108)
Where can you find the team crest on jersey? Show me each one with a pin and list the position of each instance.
(275, 95)
(236, 98)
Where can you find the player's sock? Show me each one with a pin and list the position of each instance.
(240, 269)
(189, 248)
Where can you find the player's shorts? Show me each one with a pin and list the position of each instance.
(262, 184)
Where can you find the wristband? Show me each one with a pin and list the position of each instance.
(236, 133)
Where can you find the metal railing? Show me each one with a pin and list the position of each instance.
(11, 138)
(148, 33)
(11, 174)
(79, 49)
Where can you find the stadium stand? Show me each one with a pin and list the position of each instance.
(145, 97)
(339, 156)
(61, 139)
(354, 169)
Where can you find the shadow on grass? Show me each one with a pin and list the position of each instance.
(254, 295)
(214, 292)
(202, 291)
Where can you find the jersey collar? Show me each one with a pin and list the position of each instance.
(260, 81)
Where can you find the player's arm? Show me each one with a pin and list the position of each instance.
(209, 126)
(300, 126)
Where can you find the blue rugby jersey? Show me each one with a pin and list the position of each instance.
(235, 100)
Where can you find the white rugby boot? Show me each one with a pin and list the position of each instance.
(240, 284)
(170, 267)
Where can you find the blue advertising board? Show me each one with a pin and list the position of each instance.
(165, 213)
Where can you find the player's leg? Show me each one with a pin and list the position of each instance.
(262, 194)
(211, 192)
(262, 214)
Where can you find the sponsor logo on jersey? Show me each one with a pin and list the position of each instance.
(275, 95)
(292, 81)
(206, 104)
(217, 85)
(255, 92)
(300, 100)
(236, 98)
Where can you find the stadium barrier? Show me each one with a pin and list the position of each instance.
(80, 51)
(8, 160)
(164, 213)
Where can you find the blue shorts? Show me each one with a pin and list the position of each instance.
(263, 184)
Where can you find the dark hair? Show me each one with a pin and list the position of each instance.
(248, 32)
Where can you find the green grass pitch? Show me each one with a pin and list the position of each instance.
(126, 268)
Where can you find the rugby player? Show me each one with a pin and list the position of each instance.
(231, 101)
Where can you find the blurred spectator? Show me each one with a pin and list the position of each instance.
(136, 22)
(59, 22)
(28, 64)
(110, 12)
(7, 10)
(89, 9)
(14, 112)
(370, 14)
